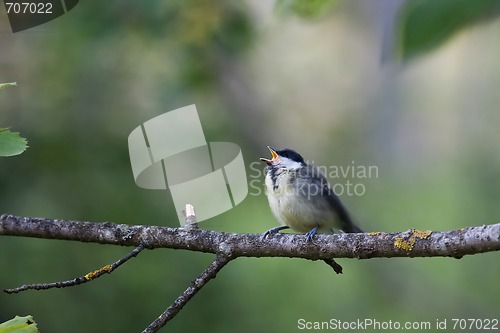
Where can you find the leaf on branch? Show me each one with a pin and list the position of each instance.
(11, 143)
(19, 325)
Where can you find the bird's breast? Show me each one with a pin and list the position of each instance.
(300, 210)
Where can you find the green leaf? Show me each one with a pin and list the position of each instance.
(11, 143)
(427, 24)
(19, 325)
(4, 85)
(304, 8)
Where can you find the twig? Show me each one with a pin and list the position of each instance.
(333, 264)
(209, 273)
(189, 217)
(79, 280)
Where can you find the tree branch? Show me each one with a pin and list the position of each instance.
(228, 246)
(411, 243)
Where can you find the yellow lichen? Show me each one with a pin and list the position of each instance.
(407, 245)
(91, 275)
(400, 243)
(374, 233)
(422, 234)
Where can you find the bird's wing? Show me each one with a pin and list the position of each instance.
(324, 189)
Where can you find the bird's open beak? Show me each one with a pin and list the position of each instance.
(274, 155)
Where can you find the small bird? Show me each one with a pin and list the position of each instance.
(301, 198)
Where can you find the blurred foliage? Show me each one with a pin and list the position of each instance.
(84, 89)
(304, 8)
(423, 25)
(427, 24)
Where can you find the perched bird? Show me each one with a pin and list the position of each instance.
(301, 198)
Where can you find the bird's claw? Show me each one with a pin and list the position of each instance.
(273, 231)
(264, 235)
(311, 233)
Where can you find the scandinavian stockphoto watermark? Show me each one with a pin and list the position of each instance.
(349, 180)
(170, 151)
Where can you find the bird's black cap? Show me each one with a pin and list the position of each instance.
(291, 154)
(286, 153)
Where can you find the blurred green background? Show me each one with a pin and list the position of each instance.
(411, 87)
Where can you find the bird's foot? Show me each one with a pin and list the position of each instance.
(273, 231)
(311, 234)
